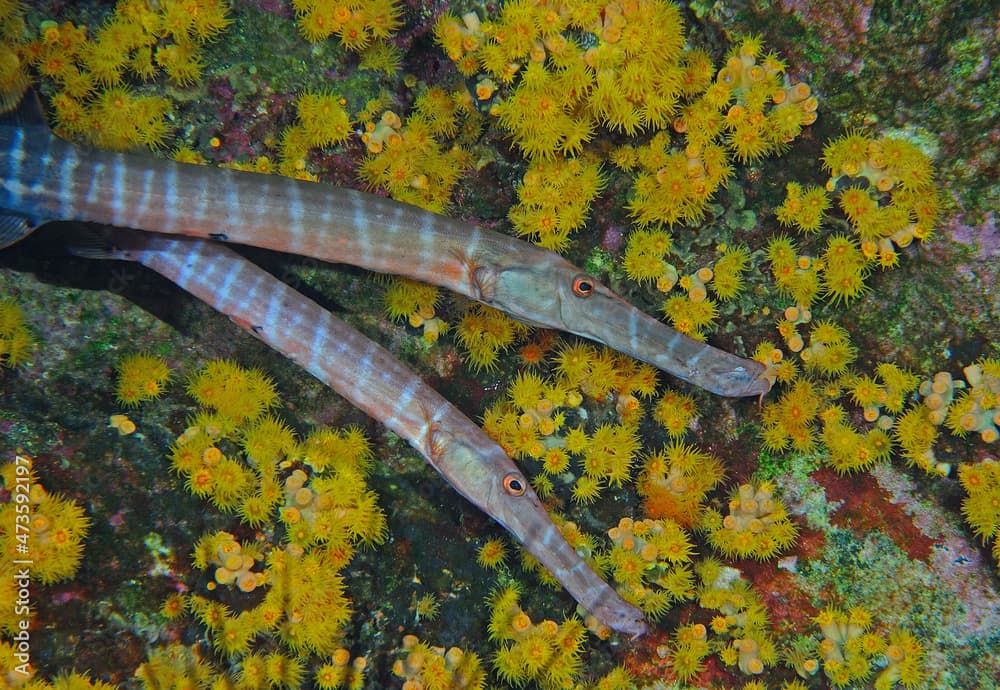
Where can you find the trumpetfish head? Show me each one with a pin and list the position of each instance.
(480, 470)
(544, 289)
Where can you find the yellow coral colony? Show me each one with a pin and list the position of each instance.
(757, 524)
(630, 73)
(247, 461)
(850, 646)
(423, 667)
(546, 653)
(981, 506)
(141, 377)
(741, 624)
(57, 528)
(357, 25)
(418, 162)
(321, 121)
(16, 342)
(415, 302)
(651, 562)
(554, 199)
(138, 40)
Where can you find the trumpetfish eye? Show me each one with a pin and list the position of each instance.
(583, 286)
(513, 484)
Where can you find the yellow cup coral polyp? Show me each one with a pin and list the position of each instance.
(57, 525)
(981, 507)
(427, 668)
(757, 524)
(545, 653)
(141, 377)
(977, 409)
(554, 199)
(897, 201)
(236, 393)
(650, 559)
(675, 481)
(233, 561)
(15, 338)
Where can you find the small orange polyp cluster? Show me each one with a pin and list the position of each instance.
(14, 79)
(321, 121)
(959, 405)
(905, 657)
(916, 433)
(769, 111)
(492, 555)
(884, 188)
(977, 408)
(386, 131)
(845, 268)
(776, 367)
(791, 420)
(432, 668)
(602, 374)
(532, 422)
(742, 618)
(675, 481)
(938, 393)
(727, 274)
(675, 412)
(797, 275)
(484, 332)
(137, 39)
(850, 647)
(122, 424)
(850, 450)
(757, 524)
(325, 513)
(632, 76)
(335, 509)
(803, 208)
(645, 258)
(688, 650)
(962, 406)
(829, 350)
(693, 313)
(675, 186)
(232, 561)
(342, 672)
(690, 317)
(461, 37)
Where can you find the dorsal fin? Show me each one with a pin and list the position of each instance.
(28, 113)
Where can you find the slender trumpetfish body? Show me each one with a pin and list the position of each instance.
(373, 380)
(45, 178)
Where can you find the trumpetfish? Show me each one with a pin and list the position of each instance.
(46, 178)
(373, 380)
